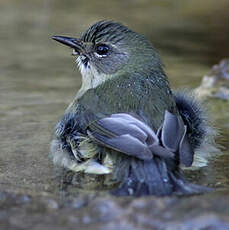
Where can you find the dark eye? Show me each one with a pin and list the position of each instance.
(102, 49)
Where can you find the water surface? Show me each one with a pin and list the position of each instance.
(38, 77)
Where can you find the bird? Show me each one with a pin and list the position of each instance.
(125, 121)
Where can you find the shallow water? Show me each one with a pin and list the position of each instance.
(38, 77)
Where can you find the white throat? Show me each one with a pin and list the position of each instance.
(90, 77)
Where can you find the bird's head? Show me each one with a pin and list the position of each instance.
(109, 49)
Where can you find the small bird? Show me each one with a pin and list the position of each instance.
(125, 120)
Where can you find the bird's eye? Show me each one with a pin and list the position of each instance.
(102, 49)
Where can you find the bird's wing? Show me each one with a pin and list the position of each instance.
(173, 135)
(124, 133)
(127, 134)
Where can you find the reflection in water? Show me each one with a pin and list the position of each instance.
(38, 78)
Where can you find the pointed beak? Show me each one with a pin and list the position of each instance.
(74, 43)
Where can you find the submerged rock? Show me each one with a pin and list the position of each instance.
(216, 84)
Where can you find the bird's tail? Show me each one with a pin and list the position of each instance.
(200, 132)
(151, 177)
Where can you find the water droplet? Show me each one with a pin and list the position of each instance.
(131, 191)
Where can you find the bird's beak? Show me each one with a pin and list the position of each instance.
(74, 43)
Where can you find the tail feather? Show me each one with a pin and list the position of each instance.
(152, 178)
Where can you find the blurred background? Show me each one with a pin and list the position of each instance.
(38, 77)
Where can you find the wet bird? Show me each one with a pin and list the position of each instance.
(125, 120)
